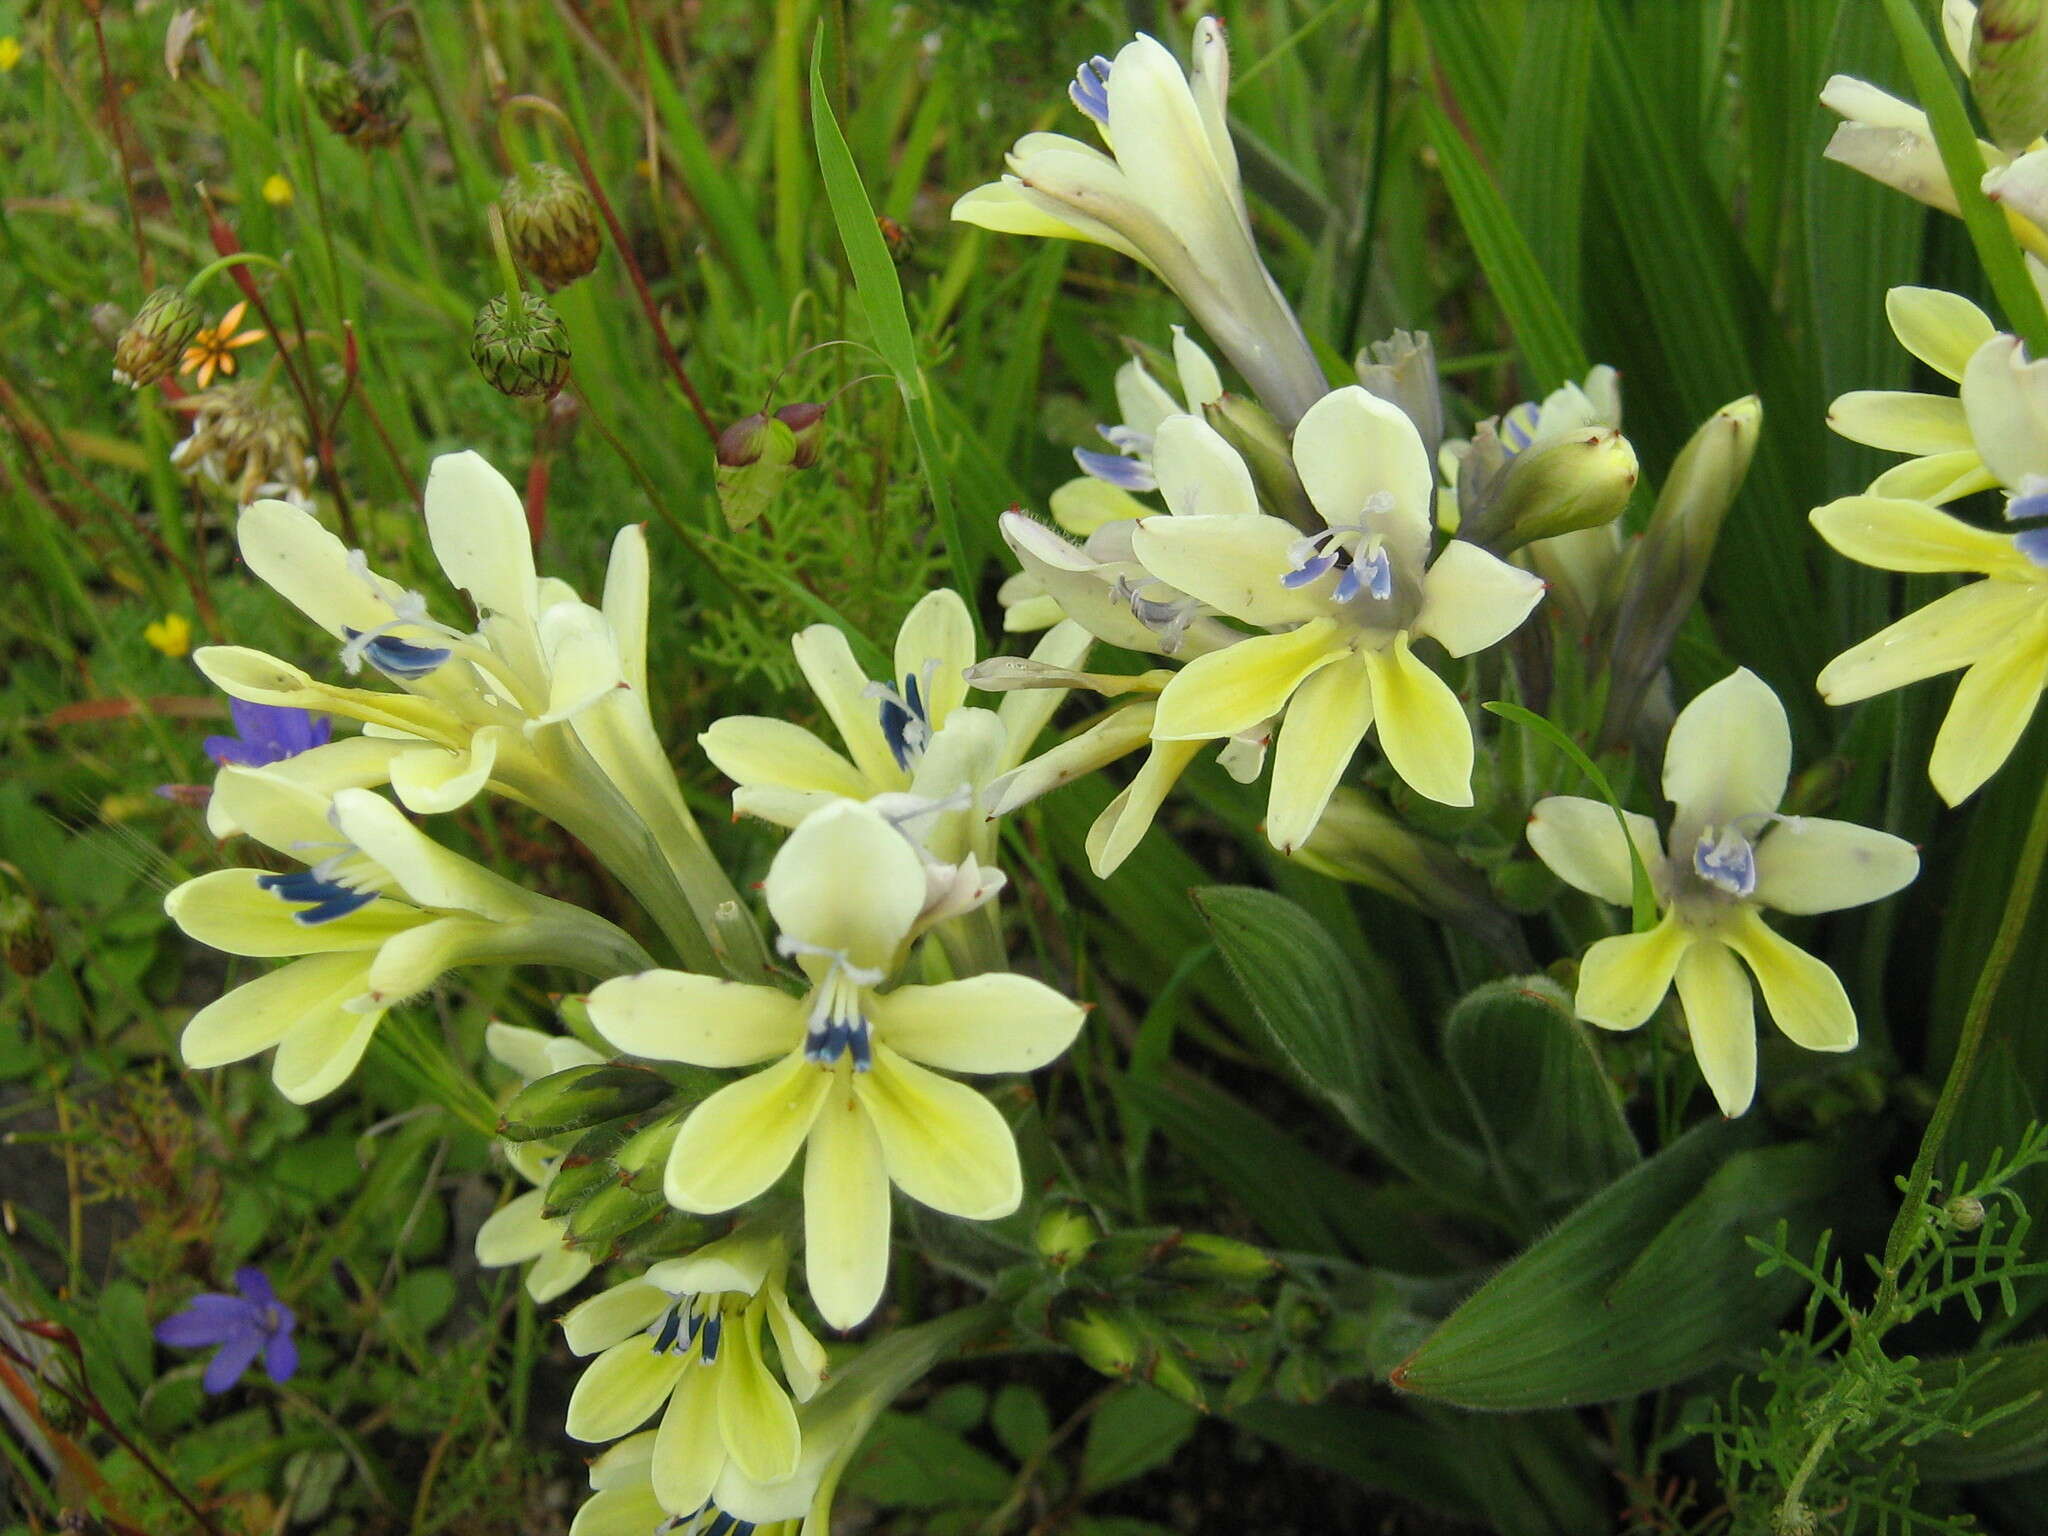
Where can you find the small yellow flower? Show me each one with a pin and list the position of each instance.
(213, 349)
(10, 54)
(171, 634)
(277, 190)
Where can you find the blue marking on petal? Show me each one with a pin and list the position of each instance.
(1726, 862)
(327, 899)
(400, 658)
(1127, 474)
(714, 1326)
(896, 723)
(1309, 569)
(1090, 90)
(1518, 428)
(2033, 543)
(671, 1325)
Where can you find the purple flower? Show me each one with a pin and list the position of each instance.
(244, 1326)
(267, 733)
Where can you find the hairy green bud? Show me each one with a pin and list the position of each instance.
(1965, 1213)
(610, 1213)
(644, 1158)
(1206, 1256)
(586, 1168)
(552, 223)
(524, 355)
(151, 344)
(580, 1097)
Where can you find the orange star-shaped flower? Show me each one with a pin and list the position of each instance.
(213, 348)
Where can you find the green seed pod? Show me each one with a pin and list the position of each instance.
(579, 1098)
(2009, 70)
(610, 1213)
(806, 422)
(1250, 428)
(552, 223)
(149, 348)
(364, 103)
(525, 356)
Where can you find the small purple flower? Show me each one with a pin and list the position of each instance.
(267, 733)
(244, 1326)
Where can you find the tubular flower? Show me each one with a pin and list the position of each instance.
(1167, 196)
(913, 739)
(1939, 432)
(1997, 628)
(381, 913)
(517, 1232)
(1730, 855)
(546, 702)
(851, 1074)
(688, 1335)
(1342, 607)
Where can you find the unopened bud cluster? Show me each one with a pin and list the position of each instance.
(553, 224)
(151, 344)
(524, 354)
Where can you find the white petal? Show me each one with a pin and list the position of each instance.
(1896, 535)
(282, 814)
(1200, 383)
(1583, 845)
(1199, 473)
(705, 1020)
(626, 582)
(846, 880)
(309, 567)
(1810, 864)
(740, 1261)
(517, 1231)
(1730, 753)
(2006, 398)
(1350, 447)
(477, 526)
(1472, 599)
(354, 762)
(1142, 402)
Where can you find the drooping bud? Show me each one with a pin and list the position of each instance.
(1402, 371)
(1577, 481)
(364, 103)
(552, 223)
(579, 1098)
(2009, 70)
(1669, 563)
(744, 441)
(1250, 428)
(806, 420)
(149, 348)
(1065, 1233)
(756, 454)
(525, 355)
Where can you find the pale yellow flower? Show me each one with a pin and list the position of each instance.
(1945, 331)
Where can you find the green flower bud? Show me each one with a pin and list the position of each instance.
(1402, 371)
(526, 355)
(552, 223)
(1250, 428)
(1106, 1343)
(2009, 70)
(364, 103)
(1166, 1372)
(744, 441)
(610, 1213)
(1965, 1213)
(59, 1409)
(1580, 480)
(579, 1098)
(1669, 563)
(149, 348)
(644, 1158)
(1065, 1233)
(586, 1168)
(806, 422)
(668, 1234)
(25, 937)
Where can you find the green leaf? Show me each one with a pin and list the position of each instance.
(1324, 1024)
(1546, 1111)
(1387, 1452)
(1136, 1430)
(2012, 1383)
(1021, 1421)
(910, 1462)
(1648, 1283)
(422, 1300)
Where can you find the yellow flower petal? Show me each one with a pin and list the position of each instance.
(1805, 998)
(476, 523)
(1233, 689)
(1729, 754)
(814, 900)
(259, 1013)
(1583, 845)
(320, 1050)
(1910, 536)
(1352, 446)
(1326, 720)
(1232, 562)
(1721, 1019)
(556, 1273)
(1936, 479)
(1941, 329)
(943, 1143)
(737, 1142)
(934, 646)
(1900, 421)
(1955, 630)
(846, 1210)
(689, 1452)
(516, 1232)
(754, 749)
(756, 1419)
(1084, 504)
(431, 781)
(1992, 706)
(706, 1020)
(1423, 729)
(2006, 398)
(613, 1315)
(620, 1389)
(1810, 864)
(1472, 599)
(827, 663)
(992, 1023)
(228, 910)
(1201, 475)
(1622, 979)
(1126, 819)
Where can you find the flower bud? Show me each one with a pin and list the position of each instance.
(149, 348)
(1964, 1213)
(1250, 428)
(2009, 70)
(585, 1168)
(25, 937)
(525, 355)
(364, 103)
(1669, 562)
(1105, 1343)
(806, 420)
(552, 223)
(59, 1408)
(1402, 371)
(1166, 1372)
(744, 441)
(610, 1213)
(756, 454)
(1206, 1256)
(644, 1158)
(1577, 481)
(579, 1098)
(1065, 1232)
